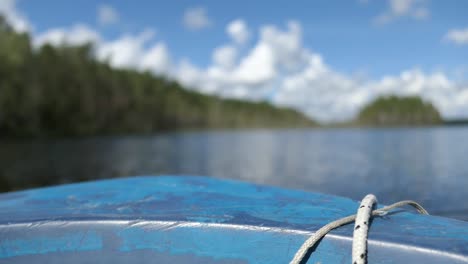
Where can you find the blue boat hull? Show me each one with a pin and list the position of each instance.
(204, 220)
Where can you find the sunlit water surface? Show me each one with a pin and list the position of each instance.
(429, 165)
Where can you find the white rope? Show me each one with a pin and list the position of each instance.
(361, 228)
(361, 246)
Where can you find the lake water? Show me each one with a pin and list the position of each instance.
(429, 165)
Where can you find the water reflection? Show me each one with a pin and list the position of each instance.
(428, 165)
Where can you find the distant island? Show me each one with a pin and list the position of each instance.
(64, 91)
(399, 111)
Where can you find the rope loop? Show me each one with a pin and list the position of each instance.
(361, 228)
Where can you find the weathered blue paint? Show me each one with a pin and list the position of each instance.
(203, 220)
(50, 243)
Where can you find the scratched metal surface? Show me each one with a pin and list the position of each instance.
(203, 220)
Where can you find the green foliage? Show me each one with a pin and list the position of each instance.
(65, 91)
(397, 111)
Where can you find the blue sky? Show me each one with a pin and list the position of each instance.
(338, 54)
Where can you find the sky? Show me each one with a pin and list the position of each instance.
(326, 58)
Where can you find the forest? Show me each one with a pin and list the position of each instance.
(64, 91)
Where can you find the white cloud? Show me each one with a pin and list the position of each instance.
(457, 36)
(416, 9)
(156, 59)
(255, 75)
(286, 45)
(225, 56)
(76, 35)
(238, 31)
(107, 15)
(14, 17)
(137, 51)
(189, 75)
(126, 51)
(196, 18)
(258, 67)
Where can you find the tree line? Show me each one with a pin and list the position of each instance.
(64, 91)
